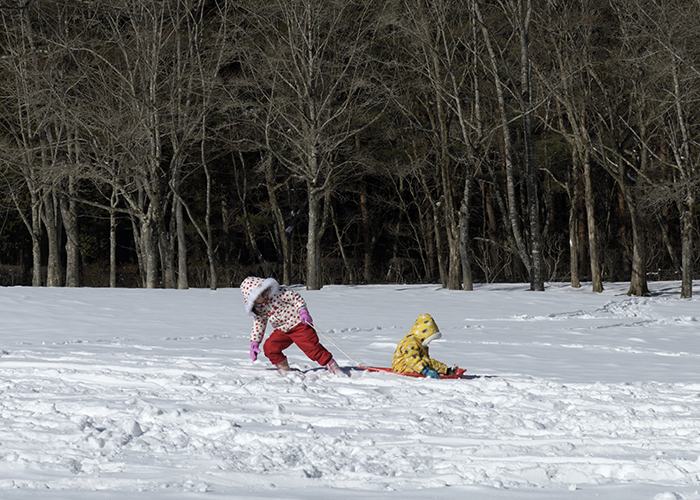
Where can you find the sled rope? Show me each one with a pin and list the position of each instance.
(337, 346)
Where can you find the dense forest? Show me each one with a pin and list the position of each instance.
(190, 143)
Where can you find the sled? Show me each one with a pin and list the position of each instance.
(461, 372)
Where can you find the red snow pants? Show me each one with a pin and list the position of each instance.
(304, 337)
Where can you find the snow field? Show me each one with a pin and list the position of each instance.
(146, 393)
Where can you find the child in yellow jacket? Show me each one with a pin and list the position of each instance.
(412, 354)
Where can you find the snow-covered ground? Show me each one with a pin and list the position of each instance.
(150, 394)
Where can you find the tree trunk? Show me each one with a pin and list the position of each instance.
(688, 170)
(36, 257)
(464, 219)
(638, 281)
(211, 257)
(531, 170)
(447, 205)
(438, 245)
(138, 248)
(453, 237)
(34, 228)
(182, 278)
(366, 233)
(166, 250)
(113, 240)
(687, 246)
(573, 188)
(513, 213)
(53, 233)
(596, 278)
(149, 251)
(69, 213)
(35, 233)
(474, 147)
(314, 275)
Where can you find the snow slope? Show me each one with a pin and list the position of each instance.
(150, 394)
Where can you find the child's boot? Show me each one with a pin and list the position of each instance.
(334, 368)
(283, 366)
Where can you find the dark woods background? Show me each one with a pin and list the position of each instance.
(192, 143)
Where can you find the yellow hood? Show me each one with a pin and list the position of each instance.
(425, 329)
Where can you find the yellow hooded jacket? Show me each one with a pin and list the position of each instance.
(412, 353)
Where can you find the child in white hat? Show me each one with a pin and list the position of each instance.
(286, 310)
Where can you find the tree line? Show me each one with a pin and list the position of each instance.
(194, 142)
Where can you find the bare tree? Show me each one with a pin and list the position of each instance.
(138, 35)
(669, 59)
(573, 82)
(194, 97)
(497, 67)
(149, 73)
(29, 120)
(630, 158)
(441, 47)
(147, 122)
(310, 63)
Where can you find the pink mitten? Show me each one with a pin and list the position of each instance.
(254, 350)
(305, 316)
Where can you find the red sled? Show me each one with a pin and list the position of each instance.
(461, 372)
